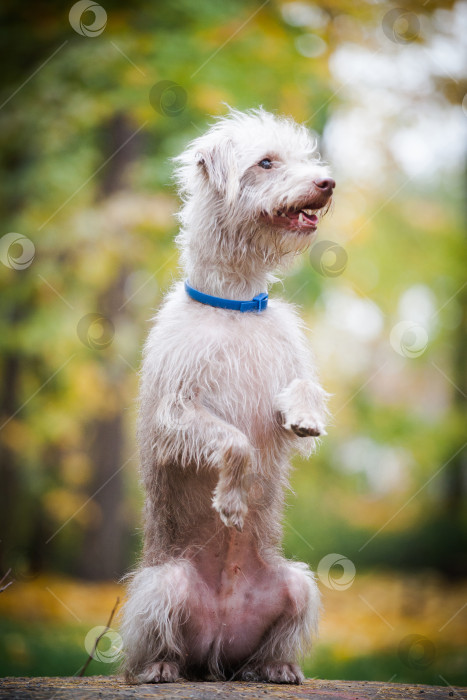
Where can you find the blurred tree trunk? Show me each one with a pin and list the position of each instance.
(103, 555)
(456, 474)
(455, 480)
(9, 472)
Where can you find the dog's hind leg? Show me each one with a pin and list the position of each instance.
(151, 622)
(289, 639)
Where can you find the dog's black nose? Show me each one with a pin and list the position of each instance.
(326, 185)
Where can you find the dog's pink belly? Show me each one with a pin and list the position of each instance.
(247, 608)
(230, 619)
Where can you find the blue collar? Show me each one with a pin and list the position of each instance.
(258, 303)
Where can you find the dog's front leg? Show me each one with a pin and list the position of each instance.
(302, 408)
(197, 435)
(230, 494)
(233, 455)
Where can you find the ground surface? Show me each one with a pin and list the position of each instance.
(106, 687)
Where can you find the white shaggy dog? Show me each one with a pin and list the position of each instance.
(226, 395)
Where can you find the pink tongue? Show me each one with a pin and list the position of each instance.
(311, 218)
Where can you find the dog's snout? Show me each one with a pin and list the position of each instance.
(326, 185)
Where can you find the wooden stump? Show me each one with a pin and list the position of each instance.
(109, 687)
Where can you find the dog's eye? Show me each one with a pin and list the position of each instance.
(266, 163)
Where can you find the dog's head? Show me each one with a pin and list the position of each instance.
(259, 179)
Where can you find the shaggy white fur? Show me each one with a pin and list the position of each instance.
(225, 398)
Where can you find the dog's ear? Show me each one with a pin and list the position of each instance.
(219, 165)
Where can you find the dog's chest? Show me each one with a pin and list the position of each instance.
(243, 363)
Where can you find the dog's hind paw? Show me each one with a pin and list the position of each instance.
(159, 672)
(274, 672)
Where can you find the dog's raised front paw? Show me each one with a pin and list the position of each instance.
(307, 428)
(231, 507)
(302, 408)
(304, 425)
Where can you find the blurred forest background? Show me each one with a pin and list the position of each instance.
(95, 100)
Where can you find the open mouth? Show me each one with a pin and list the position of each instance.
(305, 219)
